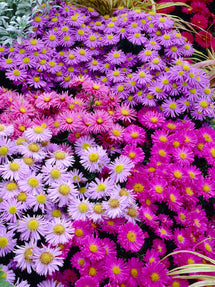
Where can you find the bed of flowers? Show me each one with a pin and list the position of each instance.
(107, 160)
(201, 19)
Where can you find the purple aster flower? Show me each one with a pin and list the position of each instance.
(7, 243)
(137, 38)
(116, 57)
(171, 108)
(47, 260)
(24, 255)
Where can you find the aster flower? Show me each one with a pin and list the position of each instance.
(31, 228)
(100, 122)
(131, 237)
(59, 231)
(7, 148)
(14, 170)
(116, 57)
(47, 260)
(32, 150)
(31, 183)
(7, 242)
(134, 134)
(61, 158)
(100, 188)
(120, 168)
(62, 192)
(11, 210)
(135, 267)
(171, 108)
(155, 274)
(79, 209)
(94, 158)
(115, 206)
(183, 156)
(38, 200)
(24, 255)
(93, 248)
(116, 270)
(89, 280)
(37, 134)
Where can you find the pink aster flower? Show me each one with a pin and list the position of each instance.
(183, 156)
(82, 229)
(155, 275)
(116, 270)
(131, 237)
(120, 169)
(47, 260)
(93, 249)
(204, 39)
(134, 134)
(87, 281)
(134, 268)
(100, 122)
(150, 118)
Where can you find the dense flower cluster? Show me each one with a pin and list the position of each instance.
(123, 188)
(200, 14)
(138, 55)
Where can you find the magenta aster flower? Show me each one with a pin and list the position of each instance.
(131, 237)
(134, 134)
(87, 281)
(93, 249)
(116, 270)
(155, 275)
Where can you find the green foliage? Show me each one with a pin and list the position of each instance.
(16, 17)
(3, 283)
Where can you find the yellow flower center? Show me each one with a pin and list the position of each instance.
(28, 254)
(83, 207)
(131, 236)
(33, 225)
(55, 173)
(56, 213)
(33, 147)
(119, 168)
(41, 198)
(155, 277)
(138, 187)
(132, 154)
(59, 155)
(3, 242)
(116, 270)
(3, 150)
(98, 208)
(93, 248)
(177, 174)
(46, 258)
(14, 166)
(79, 232)
(92, 272)
(93, 157)
(134, 135)
(22, 196)
(101, 187)
(64, 189)
(58, 229)
(154, 120)
(204, 104)
(33, 182)
(114, 203)
(183, 155)
(158, 189)
(206, 188)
